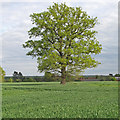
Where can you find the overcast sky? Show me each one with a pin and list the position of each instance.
(15, 23)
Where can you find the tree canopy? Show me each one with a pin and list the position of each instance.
(63, 40)
(2, 74)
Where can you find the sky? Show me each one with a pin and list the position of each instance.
(15, 24)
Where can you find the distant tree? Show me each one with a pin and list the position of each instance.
(111, 75)
(66, 40)
(96, 76)
(2, 74)
(117, 75)
(17, 76)
(20, 76)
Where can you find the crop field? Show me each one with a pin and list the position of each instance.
(52, 100)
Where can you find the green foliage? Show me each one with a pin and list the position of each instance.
(69, 78)
(51, 100)
(113, 79)
(37, 79)
(48, 77)
(29, 79)
(96, 76)
(52, 77)
(106, 78)
(24, 79)
(7, 80)
(2, 74)
(32, 80)
(18, 80)
(64, 40)
(11, 80)
(117, 75)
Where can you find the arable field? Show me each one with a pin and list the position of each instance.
(52, 100)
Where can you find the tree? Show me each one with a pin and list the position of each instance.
(117, 75)
(20, 76)
(111, 75)
(64, 40)
(17, 75)
(2, 74)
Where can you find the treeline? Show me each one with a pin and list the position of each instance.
(24, 79)
(49, 77)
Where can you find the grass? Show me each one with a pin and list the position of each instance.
(52, 100)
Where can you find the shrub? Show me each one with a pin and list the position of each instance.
(11, 80)
(18, 80)
(2, 74)
(104, 78)
(31, 80)
(8, 80)
(113, 79)
(96, 76)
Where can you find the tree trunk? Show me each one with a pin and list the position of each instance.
(63, 76)
(63, 82)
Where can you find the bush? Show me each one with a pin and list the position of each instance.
(11, 80)
(18, 80)
(37, 79)
(117, 75)
(2, 74)
(96, 76)
(8, 80)
(106, 78)
(113, 79)
(29, 79)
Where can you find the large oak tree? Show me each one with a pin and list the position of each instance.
(63, 40)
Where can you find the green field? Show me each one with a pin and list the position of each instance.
(52, 100)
